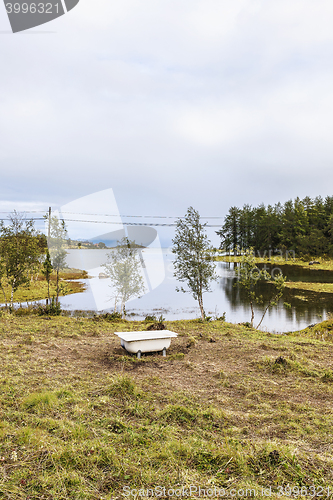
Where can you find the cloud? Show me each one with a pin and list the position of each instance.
(170, 104)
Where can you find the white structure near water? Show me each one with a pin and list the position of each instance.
(146, 341)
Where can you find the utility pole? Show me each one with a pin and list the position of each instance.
(49, 229)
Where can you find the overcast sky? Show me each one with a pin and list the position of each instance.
(170, 103)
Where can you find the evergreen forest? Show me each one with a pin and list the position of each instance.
(304, 227)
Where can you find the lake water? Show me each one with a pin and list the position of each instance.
(162, 298)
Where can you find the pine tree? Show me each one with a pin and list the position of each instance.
(47, 271)
(229, 233)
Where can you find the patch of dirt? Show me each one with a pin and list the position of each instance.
(224, 372)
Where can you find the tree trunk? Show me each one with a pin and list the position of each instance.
(122, 307)
(265, 311)
(252, 314)
(3, 291)
(12, 294)
(48, 291)
(115, 303)
(57, 286)
(201, 308)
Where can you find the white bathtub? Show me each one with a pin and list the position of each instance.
(146, 341)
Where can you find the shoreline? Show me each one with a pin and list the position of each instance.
(69, 281)
(313, 286)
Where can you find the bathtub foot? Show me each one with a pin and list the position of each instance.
(138, 354)
(164, 351)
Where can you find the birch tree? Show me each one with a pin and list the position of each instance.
(194, 257)
(123, 268)
(57, 244)
(248, 277)
(21, 248)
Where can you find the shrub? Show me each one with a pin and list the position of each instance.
(220, 318)
(114, 316)
(158, 323)
(26, 311)
(151, 318)
(53, 309)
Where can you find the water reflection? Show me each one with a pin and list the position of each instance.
(306, 306)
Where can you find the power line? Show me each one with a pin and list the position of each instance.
(131, 223)
(139, 216)
(149, 224)
(116, 215)
(118, 223)
(33, 218)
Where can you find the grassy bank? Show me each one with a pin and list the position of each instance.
(229, 406)
(324, 264)
(312, 286)
(37, 289)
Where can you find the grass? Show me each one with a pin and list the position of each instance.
(37, 289)
(81, 419)
(308, 286)
(325, 263)
(322, 331)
